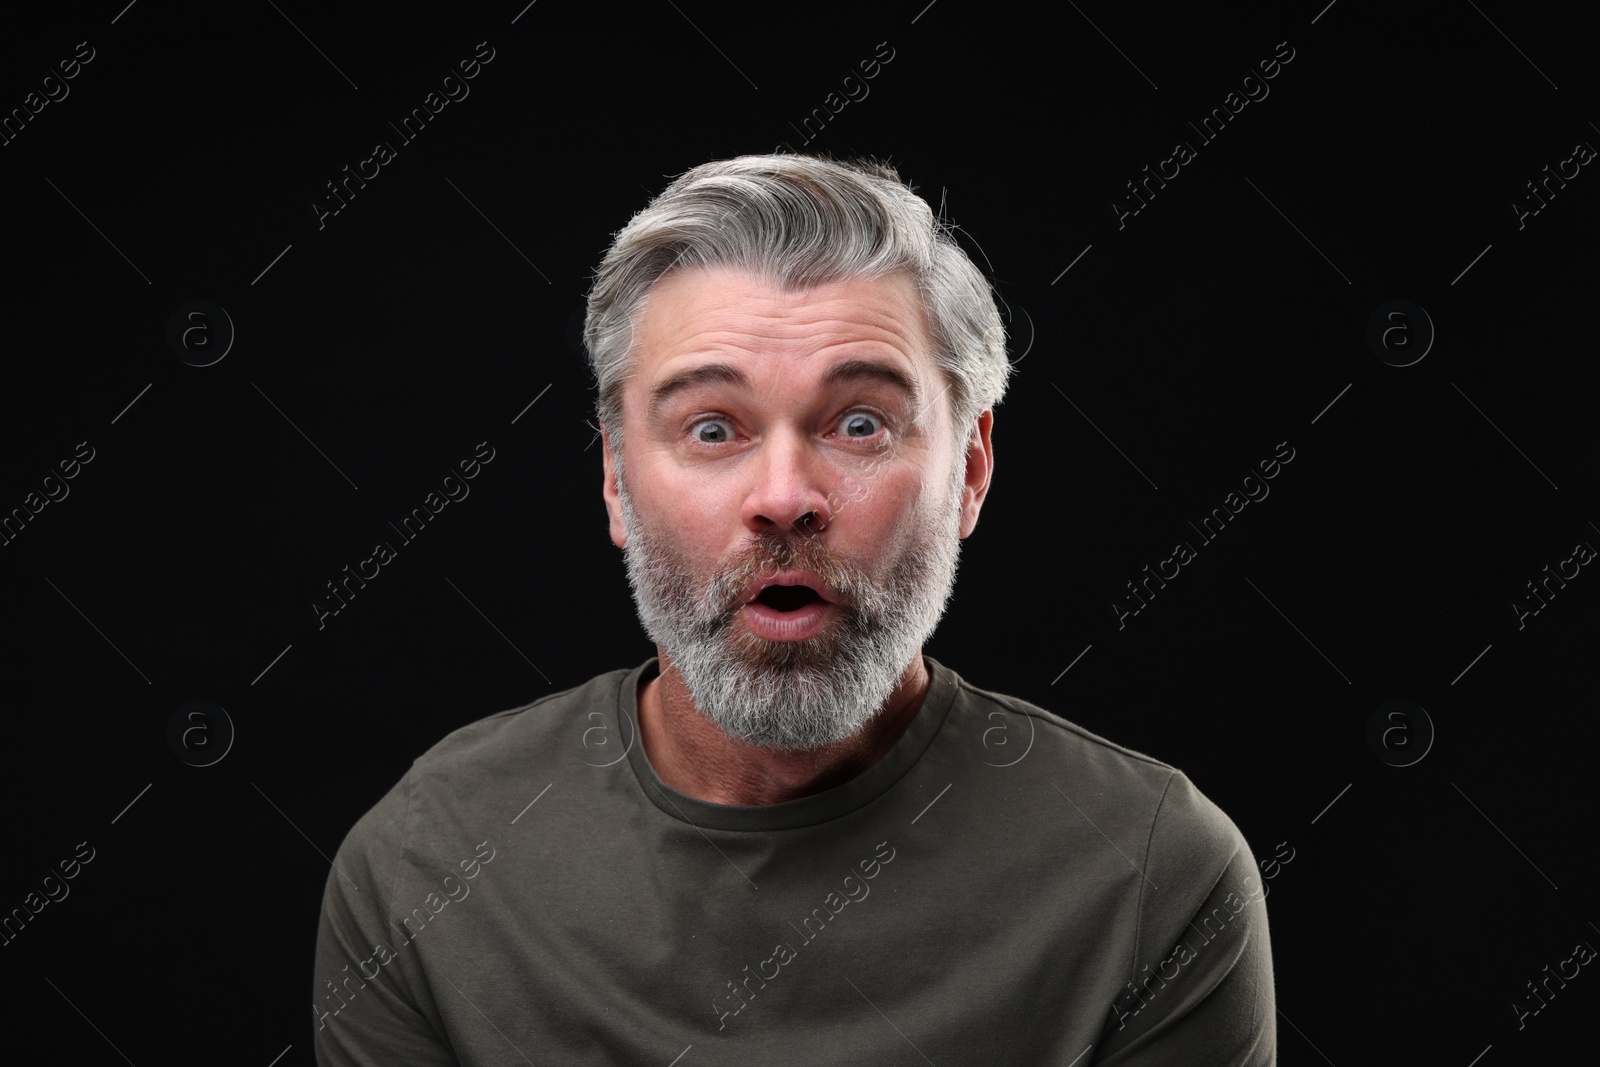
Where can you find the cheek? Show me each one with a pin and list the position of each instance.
(892, 517)
(688, 533)
(701, 519)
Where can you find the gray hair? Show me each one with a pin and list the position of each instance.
(797, 221)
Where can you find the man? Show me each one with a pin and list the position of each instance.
(790, 837)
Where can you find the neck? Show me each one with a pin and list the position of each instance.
(691, 754)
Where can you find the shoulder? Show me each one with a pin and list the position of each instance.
(482, 767)
(511, 736)
(1012, 731)
(1184, 833)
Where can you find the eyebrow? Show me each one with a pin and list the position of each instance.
(849, 370)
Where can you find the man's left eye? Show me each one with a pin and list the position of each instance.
(860, 424)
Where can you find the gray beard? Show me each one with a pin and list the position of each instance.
(793, 695)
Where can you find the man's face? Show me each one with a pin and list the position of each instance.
(769, 433)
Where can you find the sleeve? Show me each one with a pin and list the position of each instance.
(363, 1001)
(1199, 992)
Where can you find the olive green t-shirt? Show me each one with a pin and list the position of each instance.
(1001, 888)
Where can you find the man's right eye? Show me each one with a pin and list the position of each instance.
(710, 431)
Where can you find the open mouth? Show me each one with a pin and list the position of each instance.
(788, 597)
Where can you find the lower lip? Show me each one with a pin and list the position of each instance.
(775, 625)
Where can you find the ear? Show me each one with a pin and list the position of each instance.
(609, 490)
(980, 466)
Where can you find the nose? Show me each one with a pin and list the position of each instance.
(790, 488)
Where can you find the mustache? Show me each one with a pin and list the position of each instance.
(773, 551)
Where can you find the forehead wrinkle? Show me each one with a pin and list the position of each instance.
(757, 332)
(685, 319)
(776, 307)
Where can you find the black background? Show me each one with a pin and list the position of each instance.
(375, 352)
